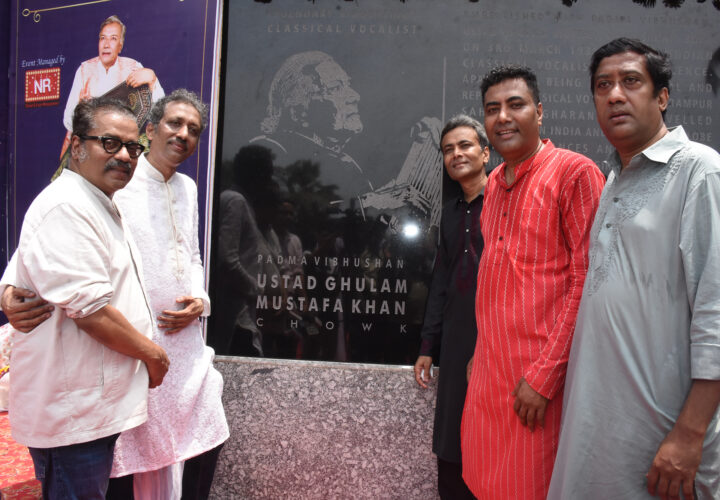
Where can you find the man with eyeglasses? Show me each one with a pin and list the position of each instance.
(160, 209)
(78, 378)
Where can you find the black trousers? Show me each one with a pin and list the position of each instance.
(198, 474)
(450, 482)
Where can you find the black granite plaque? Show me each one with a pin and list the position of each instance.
(329, 182)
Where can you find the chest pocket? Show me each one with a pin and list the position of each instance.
(538, 239)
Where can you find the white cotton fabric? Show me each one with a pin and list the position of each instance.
(76, 253)
(185, 413)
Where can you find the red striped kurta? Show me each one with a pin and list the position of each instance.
(530, 280)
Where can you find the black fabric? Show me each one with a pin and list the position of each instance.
(450, 482)
(449, 329)
(120, 488)
(198, 475)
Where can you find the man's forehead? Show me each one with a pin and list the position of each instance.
(459, 134)
(510, 88)
(111, 122)
(623, 62)
(178, 109)
(111, 29)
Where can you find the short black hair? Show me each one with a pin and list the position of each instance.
(510, 72)
(86, 110)
(466, 121)
(657, 62)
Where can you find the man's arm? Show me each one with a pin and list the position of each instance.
(108, 326)
(23, 309)
(545, 377)
(432, 323)
(678, 457)
(174, 321)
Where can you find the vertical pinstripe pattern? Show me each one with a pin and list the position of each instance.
(530, 281)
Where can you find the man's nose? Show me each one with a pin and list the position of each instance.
(182, 132)
(616, 93)
(503, 114)
(122, 154)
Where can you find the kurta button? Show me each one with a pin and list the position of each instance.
(467, 230)
(504, 214)
(466, 250)
(616, 199)
(500, 238)
(608, 225)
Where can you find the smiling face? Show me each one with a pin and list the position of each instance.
(110, 44)
(512, 120)
(628, 112)
(108, 172)
(175, 137)
(463, 156)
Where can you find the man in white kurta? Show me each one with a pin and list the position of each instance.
(185, 418)
(99, 75)
(640, 406)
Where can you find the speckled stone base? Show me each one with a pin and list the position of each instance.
(308, 430)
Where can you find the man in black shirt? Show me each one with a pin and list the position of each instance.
(449, 328)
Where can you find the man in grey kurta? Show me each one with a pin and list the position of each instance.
(642, 388)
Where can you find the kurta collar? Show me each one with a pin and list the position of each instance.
(660, 152)
(145, 168)
(101, 67)
(526, 166)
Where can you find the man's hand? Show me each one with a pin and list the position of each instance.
(675, 465)
(157, 366)
(24, 314)
(529, 405)
(468, 369)
(422, 370)
(174, 321)
(141, 76)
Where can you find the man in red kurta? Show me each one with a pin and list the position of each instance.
(539, 207)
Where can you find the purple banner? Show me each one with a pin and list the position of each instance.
(59, 56)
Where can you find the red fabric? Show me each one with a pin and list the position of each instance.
(17, 475)
(530, 280)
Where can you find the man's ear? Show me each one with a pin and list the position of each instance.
(663, 98)
(540, 113)
(75, 146)
(149, 130)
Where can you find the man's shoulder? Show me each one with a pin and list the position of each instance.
(127, 61)
(570, 164)
(707, 157)
(184, 180)
(571, 157)
(59, 196)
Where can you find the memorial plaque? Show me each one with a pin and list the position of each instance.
(328, 184)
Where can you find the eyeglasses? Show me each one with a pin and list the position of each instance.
(112, 145)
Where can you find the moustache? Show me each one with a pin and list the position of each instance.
(115, 163)
(178, 140)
